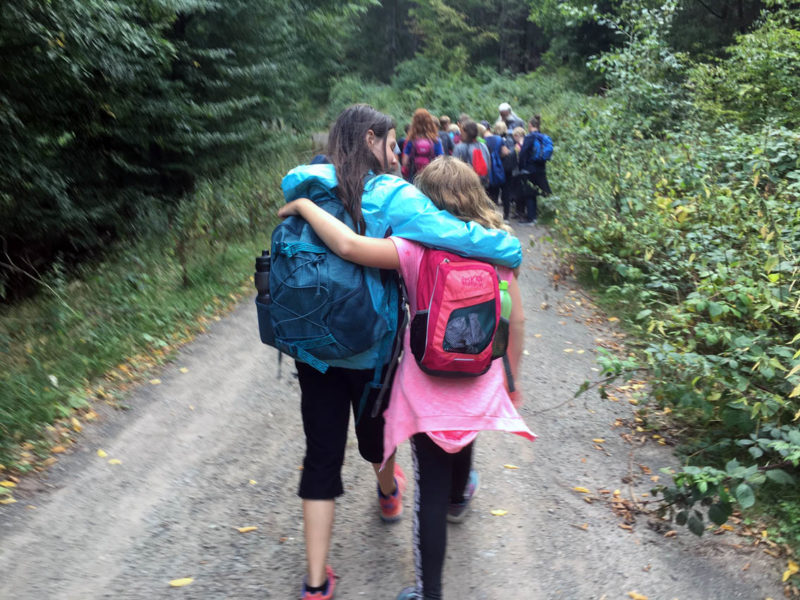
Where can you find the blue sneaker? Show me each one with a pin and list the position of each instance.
(409, 593)
(457, 511)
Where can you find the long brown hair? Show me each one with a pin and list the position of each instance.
(452, 185)
(423, 125)
(352, 157)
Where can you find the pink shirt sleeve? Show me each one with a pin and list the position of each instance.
(410, 254)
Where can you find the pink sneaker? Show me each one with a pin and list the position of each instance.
(392, 506)
(327, 594)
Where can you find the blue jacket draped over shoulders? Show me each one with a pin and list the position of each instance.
(391, 203)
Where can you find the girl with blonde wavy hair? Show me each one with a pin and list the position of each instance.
(440, 415)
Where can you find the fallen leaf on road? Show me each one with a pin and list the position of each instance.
(58, 449)
(499, 512)
(671, 533)
(581, 490)
(537, 335)
(598, 440)
(76, 425)
(181, 582)
(253, 482)
(9, 500)
(636, 595)
(581, 351)
(156, 382)
(102, 453)
(183, 370)
(508, 466)
(8, 484)
(246, 529)
(791, 569)
(569, 350)
(115, 461)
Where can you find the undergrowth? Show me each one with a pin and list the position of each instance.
(142, 300)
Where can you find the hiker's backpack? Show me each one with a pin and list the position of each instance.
(479, 163)
(510, 162)
(457, 330)
(320, 308)
(423, 152)
(542, 147)
(497, 174)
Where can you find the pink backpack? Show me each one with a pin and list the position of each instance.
(423, 152)
(458, 314)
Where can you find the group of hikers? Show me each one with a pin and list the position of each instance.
(429, 386)
(510, 156)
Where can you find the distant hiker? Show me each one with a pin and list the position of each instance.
(508, 117)
(481, 132)
(422, 144)
(473, 152)
(537, 149)
(499, 152)
(401, 142)
(440, 415)
(455, 133)
(445, 136)
(518, 180)
(361, 152)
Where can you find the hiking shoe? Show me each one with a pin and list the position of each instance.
(409, 593)
(457, 511)
(327, 594)
(392, 506)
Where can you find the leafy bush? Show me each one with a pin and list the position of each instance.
(143, 298)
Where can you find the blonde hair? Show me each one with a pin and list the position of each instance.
(481, 129)
(518, 132)
(500, 128)
(452, 185)
(453, 128)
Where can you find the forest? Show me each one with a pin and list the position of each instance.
(144, 142)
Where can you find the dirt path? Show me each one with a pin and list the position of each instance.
(190, 447)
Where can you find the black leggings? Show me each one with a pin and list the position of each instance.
(441, 479)
(325, 403)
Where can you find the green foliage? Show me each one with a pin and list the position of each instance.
(112, 110)
(690, 228)
(446, 36)
(758, 78)
(142, 298)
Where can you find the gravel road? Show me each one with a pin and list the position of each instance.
(218, 447)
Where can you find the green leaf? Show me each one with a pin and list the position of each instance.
(771, 263)
(696, 523)
(680, 518)
(780, 476)
(719, 513)
(715, 309)
(745, 495)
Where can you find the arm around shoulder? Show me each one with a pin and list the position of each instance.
(343, 241)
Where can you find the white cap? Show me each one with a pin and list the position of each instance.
(504, 106)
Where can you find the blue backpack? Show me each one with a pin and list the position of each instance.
(319, 308)
(542, 147)
(497, 174)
